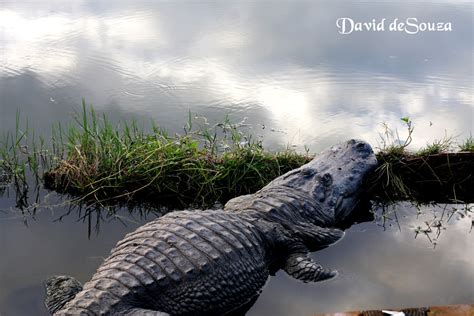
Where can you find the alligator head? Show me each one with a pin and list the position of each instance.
(334, 178)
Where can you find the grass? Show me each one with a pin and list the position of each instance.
(405, 175)
(391, 151)
(443, 145)
(468, 145)
(103, 163)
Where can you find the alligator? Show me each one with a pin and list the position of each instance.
(216, 262)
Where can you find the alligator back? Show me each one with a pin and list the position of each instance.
(187, 262)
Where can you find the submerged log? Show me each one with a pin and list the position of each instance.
(442, 178)
(439, 178)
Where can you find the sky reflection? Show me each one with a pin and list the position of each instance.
(163, 59)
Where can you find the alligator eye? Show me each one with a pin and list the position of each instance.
(326, 180)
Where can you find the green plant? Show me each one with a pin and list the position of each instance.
(438, 146)
(391, 142)
(103, 163)
(468, 145)
(391, 152)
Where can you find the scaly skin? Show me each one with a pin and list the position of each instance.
(208, 261)
(217, 262)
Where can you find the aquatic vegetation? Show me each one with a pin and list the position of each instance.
(443, 145)
(391, 144)
(434, 173)
(468, 145)
(103, 163)
(391, 152)
(431, 220)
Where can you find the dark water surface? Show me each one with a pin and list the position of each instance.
(282, 65)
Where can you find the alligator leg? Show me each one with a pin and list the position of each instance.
(315, 237)
(302, 267)
(299, 265)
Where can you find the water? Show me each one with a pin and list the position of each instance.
(380, 264)
(285, 67)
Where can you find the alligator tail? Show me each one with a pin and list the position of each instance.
(60, 289)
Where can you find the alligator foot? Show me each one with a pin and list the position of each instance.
(302, 267)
